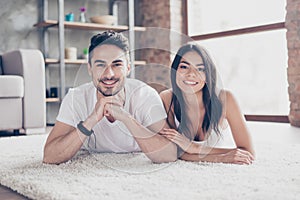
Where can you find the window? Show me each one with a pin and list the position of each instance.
(207, 16)
(253, 66)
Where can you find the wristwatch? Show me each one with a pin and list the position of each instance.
(84, 130)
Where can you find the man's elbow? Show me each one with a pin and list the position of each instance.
(165, 159)
(169, 155)
(49, 159)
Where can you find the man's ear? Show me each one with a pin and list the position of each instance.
(89, 68)
(128, 69)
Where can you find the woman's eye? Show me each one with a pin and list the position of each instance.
(201, 69)
(183, 67)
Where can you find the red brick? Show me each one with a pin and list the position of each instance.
(295, 106)
(293, 70)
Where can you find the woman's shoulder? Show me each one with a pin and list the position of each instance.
(229, 103)
(166, 95)
(226, 96)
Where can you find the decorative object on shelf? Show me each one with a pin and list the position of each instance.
(82, 17)
(104, 19)
(53, 92)
(85, 53)
(71, 53)
(69, 17)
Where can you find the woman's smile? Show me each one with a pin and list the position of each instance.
(190, 82)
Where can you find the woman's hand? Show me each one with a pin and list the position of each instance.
(237, 156)
(179, 139)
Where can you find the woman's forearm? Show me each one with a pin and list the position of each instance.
(201, 157)
(199, 148)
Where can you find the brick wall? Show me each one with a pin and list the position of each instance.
(155, 43)
(293, 42)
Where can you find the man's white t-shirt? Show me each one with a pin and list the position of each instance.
(141, 101)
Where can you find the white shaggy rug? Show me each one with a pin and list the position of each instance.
(274, 175)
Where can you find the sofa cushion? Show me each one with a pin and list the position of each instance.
(11, 86)
(1, 70)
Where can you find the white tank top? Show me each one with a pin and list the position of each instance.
(225, 140)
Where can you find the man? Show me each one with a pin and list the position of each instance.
(123, 115)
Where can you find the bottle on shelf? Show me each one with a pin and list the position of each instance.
(82, 17)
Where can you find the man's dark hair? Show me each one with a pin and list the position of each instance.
(109, 37)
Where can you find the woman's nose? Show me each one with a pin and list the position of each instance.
(192, 71)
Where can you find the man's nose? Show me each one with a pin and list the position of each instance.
(109, 72)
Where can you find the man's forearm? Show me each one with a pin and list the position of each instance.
(63, 148)
(156, 147)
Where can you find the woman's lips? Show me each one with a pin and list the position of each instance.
(190, 82)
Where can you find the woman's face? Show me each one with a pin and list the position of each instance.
(190, 76)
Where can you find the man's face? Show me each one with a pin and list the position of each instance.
(108, 69)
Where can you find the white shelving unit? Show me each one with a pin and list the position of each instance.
(44, 24)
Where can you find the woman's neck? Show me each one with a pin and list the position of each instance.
(193, 101)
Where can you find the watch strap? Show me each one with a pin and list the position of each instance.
(83, 129)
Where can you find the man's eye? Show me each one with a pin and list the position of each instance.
(100, 65)
(201, 69)
(118, 64)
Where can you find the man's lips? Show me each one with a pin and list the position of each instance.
(109, 83)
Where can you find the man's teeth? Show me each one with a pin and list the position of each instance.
(190, 82)
(109, 82)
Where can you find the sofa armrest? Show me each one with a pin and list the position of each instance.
(29, 64)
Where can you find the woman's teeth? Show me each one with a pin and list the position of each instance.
(190, 82)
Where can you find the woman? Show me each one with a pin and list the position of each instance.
(197, 111)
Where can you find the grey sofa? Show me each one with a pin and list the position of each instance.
(22, 91)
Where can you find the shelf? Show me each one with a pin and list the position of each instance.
(86, 26)
(52, 100)
(83, 61)
(67, 61)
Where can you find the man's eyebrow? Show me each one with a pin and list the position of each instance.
(200, 64)
(100, 61)
(118, 60)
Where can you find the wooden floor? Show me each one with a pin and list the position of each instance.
(272, 132)
(8, 194)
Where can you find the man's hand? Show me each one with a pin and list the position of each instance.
(115, 109)
(100, 106)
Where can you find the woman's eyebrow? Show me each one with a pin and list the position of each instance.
(200, 64)
(185, 62)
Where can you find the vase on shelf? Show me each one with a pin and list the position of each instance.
(82, 17)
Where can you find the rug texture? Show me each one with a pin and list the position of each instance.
(274, 175)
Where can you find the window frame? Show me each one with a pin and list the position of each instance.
(233, 32)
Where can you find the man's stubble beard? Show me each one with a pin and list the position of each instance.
(109, 92)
